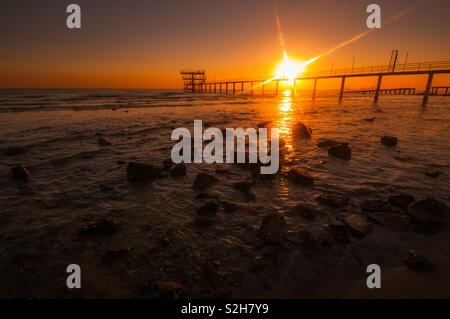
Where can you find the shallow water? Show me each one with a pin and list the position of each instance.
(59, 131)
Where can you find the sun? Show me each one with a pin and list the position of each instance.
(289, 69)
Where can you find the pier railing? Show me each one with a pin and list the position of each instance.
(398, 68)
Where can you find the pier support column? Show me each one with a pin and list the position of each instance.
(314, 90)
(341, 95)
(446, 91)
(377, 92)
(251, 88)
(276, 87)
(226, 88)
(234, 87)
(427, 90)
(242, 87)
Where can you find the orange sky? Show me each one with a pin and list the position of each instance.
(142, 44)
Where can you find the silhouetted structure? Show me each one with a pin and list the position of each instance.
(393, 69)
(194, 81)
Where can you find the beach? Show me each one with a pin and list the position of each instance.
(77, 145)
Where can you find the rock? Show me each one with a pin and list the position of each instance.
(208, 210)
(401, 200)
(115, 255)
(265, 124)
(390, 220)
(371, 119)
(229, 207)
(306, 239)
(20, 173)
(103, 142)
(328, 143)
(167, 164)
(178, 170)
(204, 221)
(338, 231)
(139, 172)
(223, 171)
(203, 196)
(375, 205)
(301, 130)
(332, 199)
(273, 228)
(249, 196)
(357, 225)
(418, 262)
(429, 211)
(204, 181)
(120, 162)
(244, 186)
(341, 151)
(99, 228)
(390, 141)
(434, 174)
(12, 151)
(308, 212)
(297, 177)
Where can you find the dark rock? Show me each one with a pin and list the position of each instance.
(14, 151)
(357, 225)
(167, 164)
(429, 211)
(204, 181)
(120, 162)
(20, 173)
(301, 130)
(434, 174)
(266, 124)
(338, 231)
(249, 196)
(308, 212)
(178, 170)
(99, 228)
(203, 196)
(204, 221)
(390, 141)
(273, 228)
(390, 220)
(332, 199)
(341, 151)
(328, 143)
(297, 177)
(418, 262)
(103, 142)
(208, 210)
(229, 207)
(369, 119)
(401, 200)
(244, 186)
(115, 255)
(375, 205)
(139, 172)
(223, 171)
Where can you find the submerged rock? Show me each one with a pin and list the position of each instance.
(390, 220)
(12, 151)
(229, 207)
(341, 151)
(390, 141)
(434, 174)
(273, 228)
(375, 205)
(266, 124)
(204, 181)
(429, 211)
(208, 210)
(99, 228)
(139, 172)
(328, 143)
(300, 178)
(333, 199)
(308, 212)
(103, 142)
(20, 173)
(357, 225)
(418, 262)
(306, 239)
(167, 164)
(301, 130)
(178, 170)
(401, 200)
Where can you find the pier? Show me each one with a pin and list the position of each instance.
(249, 85)
(395, 91)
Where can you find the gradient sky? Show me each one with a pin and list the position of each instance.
(144, 43)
